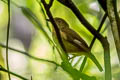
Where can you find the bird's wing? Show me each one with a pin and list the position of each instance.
(74, 38)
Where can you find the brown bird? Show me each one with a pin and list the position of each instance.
(72, 41)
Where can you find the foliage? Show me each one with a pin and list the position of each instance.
(50, 58)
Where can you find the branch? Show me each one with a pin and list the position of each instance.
(4, 70)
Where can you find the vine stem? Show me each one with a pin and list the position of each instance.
(8, 30)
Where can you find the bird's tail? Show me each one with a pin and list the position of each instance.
(93, 58)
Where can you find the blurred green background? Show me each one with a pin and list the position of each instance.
(26, 36)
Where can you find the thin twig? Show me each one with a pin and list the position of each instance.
(7, 41)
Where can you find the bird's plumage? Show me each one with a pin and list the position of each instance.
(72, 41)
(70, 38)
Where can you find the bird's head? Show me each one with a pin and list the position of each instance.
(61, 23)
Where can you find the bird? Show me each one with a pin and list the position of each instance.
(73, 42)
